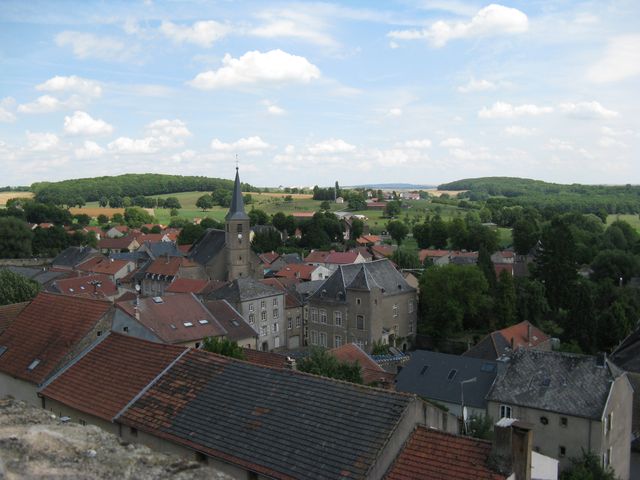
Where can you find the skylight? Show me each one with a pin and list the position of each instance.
(2, 350)
(187, 324)
(158, 300)
(424, 369)
(203, 322)
(34, 364)
(173, 327)
(488, 367)
(452, 374)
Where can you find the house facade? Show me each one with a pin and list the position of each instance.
(362, 303)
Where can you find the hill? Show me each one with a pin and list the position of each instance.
(393, 186)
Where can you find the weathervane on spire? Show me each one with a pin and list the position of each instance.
(237, 163)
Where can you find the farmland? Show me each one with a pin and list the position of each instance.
(5, 196)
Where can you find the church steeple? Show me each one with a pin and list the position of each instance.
(236, 211)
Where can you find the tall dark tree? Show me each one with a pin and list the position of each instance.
(504, 305)
(398, 230)
(422, 234)
(439, 232)
(357, 228)
(531, 301)
(15, 238)
(266, 241)
(15, 288)
(485, 264)
(526, 233)
(190, 233)
(258, 217)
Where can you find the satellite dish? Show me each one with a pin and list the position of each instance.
(137, 287)
(465, 414)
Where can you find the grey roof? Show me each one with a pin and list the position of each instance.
(208, 246)
(236, 211)
(136, 256)
(427, 374)
(308, 288)
(72, 256)
(43, 277)
(231, 320)
(627, 354)
(243, 290)
(292, 258)
(558, 382)
(159, 249)
(363, 276)
(277, 422)
(491, 347)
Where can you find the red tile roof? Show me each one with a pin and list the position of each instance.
(431, 253)
(175, 318)
(118, 243)
(316, 256)
(520, 333)
(82, 286)
(236, 327)
(184, 248)
(371, 371)
(341, 258)
(149, 237)
(108, 266)
(367, 239)
(47, 330)
(296, 270)
(269, 257)
(290, 300)
(383, 250)
(8, 314)
(266, 359)
(111, 374)
(434, 455)
(188, 285)
(303, 214)
(166, 266)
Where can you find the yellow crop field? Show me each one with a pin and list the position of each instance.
(5, 196)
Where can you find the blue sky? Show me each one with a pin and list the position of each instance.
(306, 93)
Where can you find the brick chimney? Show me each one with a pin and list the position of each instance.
(511, 451)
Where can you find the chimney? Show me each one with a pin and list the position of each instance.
(529, 333)
(511, 450)
(291, 363)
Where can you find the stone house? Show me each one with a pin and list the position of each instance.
(114, 269)
(293, 310)
(164, 270)
(363, 303)
(231, 320)
(574, 402)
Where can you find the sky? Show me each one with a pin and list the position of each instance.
(305, 93)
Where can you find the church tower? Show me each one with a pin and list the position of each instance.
(237, 236)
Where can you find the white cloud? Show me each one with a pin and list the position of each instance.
(293, 24)
(331, 146)
(506, 110)
(6, 115)
(186, 155)
(418, 144)
(42, 142)
(608, 142)
(620, 61)
(477, 86)
(81, 123)
(89, 150)
(587, 110)
(73, 83)
(132, 146)
(43, 104)
(612, 132)
(518, 131)
(452, 142)
(203, 33)
(88, 45)
(489, 21)
(160, 134)
(273, 109)
(273, 67)
(394, 112)
(247, 144)
(168, 128)
(471, 155)
(558, 145)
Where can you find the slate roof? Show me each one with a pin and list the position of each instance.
(363, 276)
(371, 371)
(291, 258)
(309, 288)
(491, 347)
(433, 455)
(292, 299)
(175, 318)
(47, 330)
(43, 277)
(208, 246)
(72, 256)
(236, 210)
(8, 314)
(109, 375)
(231, 320)
(159, 249)
(558, 382)
(276, 422)
(627, 354)
(427, 374)
(242, 290)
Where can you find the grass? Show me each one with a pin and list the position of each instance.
(631, 219)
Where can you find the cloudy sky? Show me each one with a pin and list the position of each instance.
(421, 91)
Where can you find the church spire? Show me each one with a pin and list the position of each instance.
(236, 211)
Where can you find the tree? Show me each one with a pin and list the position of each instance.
(422, 234)
(452, 298)
(531, 302)
(504, 304)
(49, 242)
(279, 220)
(526, 233)
(136, 216)
(616, 266)
(266, 241)
(116, 202)
(223, 346)
(172, 202)
(15, 238)
(392, 209)
(155, 229)
(325, 205)
(587, 467)
(357, 228)
(321, 362)
(190, 233)
(398, 230)
(480, 426)
(82, 219)
(117, 218)
(439, 232)
(211, 223)
(406, 258)
(205, 202)
(103, 202)
(103, 219)
(258, 217)
(15, 288)
(458, 234)
(485, 264)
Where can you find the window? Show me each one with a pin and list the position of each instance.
(323, 339)
(410, 306)
(360, 322)
(298, 322)
(544, 420)
(263, 316)
(337, 318)
(239, 228)
(410, 327)
(505, 411)
(34, 364)
(275, 327)
(395, 309)
(276, 313)
(251, 307)
(275, 302)
(125, 329)
(197, 345)
(452, 374)
(562, 451)
(203, 321)
(323, 316)
(606, 458)
(99, 333)
(133, 431)
(337, 340)
(252, 319)
(263, 304)
(187, 324)
(314, 315)
(314, 337)
(82, 422)
(358, 301)
(263, 330)
(424, 369)
(564, 422)
(289, 323)
(608, 423)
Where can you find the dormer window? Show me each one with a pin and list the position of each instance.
(33, 364)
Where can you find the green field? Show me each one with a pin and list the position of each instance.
(633, 220)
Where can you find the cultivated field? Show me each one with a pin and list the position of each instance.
(5, 196)
(94, 211)
(437, 193)
(633, 220)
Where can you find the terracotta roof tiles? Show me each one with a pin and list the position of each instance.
(8, 314)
